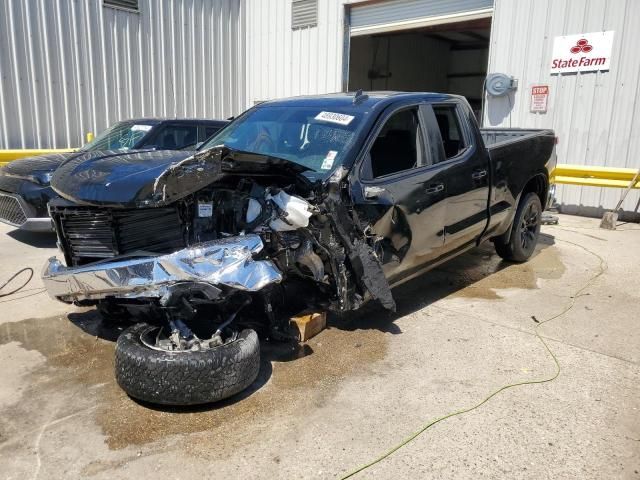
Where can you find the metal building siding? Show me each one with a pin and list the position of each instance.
(595, 114)
(283, 62)
(68, 67)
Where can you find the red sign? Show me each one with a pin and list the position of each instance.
(539, 98)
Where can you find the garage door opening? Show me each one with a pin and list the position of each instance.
(450, 58)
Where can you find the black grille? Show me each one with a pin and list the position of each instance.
(154, 230)
(90, 234)
(11, 211)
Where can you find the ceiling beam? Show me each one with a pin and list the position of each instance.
(477, 36)
(435, 36)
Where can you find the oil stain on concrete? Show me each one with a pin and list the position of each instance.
(486, 274)
(481, 274)
(79, 353)
(79, 361)
(291, 379)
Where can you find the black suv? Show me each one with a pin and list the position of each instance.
(24, 183)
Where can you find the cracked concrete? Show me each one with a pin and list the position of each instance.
(361, 386)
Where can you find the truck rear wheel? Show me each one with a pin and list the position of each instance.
(186, 377)
(524, 231)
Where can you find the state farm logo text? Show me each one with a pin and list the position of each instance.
(581, 46)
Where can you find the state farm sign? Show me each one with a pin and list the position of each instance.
(586, 52)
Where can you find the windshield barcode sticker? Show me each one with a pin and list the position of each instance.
(141, 128)
(340, 118)
(205, 209)
(327, 163)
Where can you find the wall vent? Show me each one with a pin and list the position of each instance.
(131, 5)
(304, 13)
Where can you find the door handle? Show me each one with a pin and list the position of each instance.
(434, 188)
(373, 192)
(478, 174)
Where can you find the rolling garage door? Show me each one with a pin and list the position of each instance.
(396, 15)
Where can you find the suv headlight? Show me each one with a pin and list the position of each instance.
(41, 178)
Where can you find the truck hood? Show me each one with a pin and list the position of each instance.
(157, 178)
(26, 167)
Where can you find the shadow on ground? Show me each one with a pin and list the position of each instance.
(292, 376)
(91, 323)
(479, 273)
(79, 362)
(34, 239)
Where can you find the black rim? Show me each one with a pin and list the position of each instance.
(529, 227)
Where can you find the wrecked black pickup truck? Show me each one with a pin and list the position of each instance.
(320, 202)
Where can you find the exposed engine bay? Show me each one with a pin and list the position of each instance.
(246, 249)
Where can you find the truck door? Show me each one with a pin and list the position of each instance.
(399, 195)
(467, 175)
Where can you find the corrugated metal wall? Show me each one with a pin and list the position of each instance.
(72, 66)
(68, 67)
(596, 115)
(282, 62)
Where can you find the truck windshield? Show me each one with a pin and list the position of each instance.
(315, 138)
(120, 136)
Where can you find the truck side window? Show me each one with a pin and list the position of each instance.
(398, 146)
(450, 131)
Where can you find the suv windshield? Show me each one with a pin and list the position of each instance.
(120, 136)
(312, 137)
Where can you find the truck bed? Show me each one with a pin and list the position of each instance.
(495, 137)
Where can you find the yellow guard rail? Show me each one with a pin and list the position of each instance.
(7, 156)
(591, 176)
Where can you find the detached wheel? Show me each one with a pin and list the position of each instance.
(159, 376)
(524, 231)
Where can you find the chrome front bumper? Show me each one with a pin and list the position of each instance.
(226, 262)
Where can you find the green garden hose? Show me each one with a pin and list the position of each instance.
(602, 269)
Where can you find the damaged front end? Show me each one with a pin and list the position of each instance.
(224, 263)
(241, 236)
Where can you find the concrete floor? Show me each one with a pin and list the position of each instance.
(362, 385)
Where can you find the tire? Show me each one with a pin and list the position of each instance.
(187, 378)
(525, 231)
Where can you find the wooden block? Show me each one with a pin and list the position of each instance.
(310, 325)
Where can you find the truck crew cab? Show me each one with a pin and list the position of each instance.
(321, 202)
